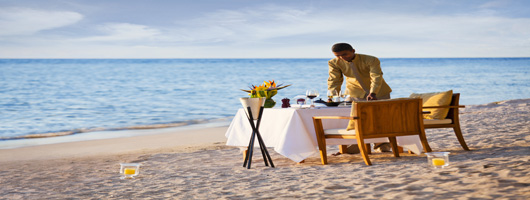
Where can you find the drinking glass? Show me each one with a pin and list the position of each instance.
(332, 95)
(344, 94)
(129, 170)
(300, 101)
(438, 160)
(311, 94)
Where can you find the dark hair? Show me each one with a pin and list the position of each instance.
(341, 47)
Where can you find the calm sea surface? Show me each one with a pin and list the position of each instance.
(54, 95)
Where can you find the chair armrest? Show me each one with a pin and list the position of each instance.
(335, 117)
(459, 106)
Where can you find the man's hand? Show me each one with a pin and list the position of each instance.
(371, 96)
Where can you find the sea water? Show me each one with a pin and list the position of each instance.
(81, 95)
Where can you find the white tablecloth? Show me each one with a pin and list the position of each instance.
(291, 131)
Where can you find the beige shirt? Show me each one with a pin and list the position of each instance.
(364, 70)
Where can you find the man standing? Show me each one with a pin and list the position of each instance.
(364, 80)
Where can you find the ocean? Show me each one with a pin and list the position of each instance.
(71, 96)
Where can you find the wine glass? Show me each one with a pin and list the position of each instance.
(300, 100)
(344, 94)
(311, 94)
(332, 95)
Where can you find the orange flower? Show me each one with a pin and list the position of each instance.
(267, 89)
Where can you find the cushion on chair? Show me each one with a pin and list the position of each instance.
(338, 131)
(437, 121)
(435, 99)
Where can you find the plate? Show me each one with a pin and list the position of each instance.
(332, 104)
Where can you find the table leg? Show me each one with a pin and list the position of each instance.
(264, 152)
(250, 151)
(255, 132)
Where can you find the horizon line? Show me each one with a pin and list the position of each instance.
(247, 58)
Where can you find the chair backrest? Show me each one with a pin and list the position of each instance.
(388, 118)
(453, 112)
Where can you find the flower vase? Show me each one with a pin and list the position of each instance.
(269, 103)
(255, 105)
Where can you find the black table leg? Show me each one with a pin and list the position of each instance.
(264, 152)
(255, 132)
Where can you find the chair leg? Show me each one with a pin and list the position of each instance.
(460, 137)
(395, 149)
(368, 148)
(342, 149)
(323, 152)
(424, 142)
(321, 140)
(364, 152)
(323, 155)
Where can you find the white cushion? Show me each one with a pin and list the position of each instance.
(338, 131)
(437, 121)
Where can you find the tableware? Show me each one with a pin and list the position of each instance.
(438, 160)
(333, 95)
(129, 170)
(320, 101)
(286, 103)
(345, 104)
(300, 101)
(344, 94)
(332, 104)
(311, 94)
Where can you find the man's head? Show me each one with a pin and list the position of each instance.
(343, 51)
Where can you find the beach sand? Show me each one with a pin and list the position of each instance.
(195, 164)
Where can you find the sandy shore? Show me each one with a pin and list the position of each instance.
(195, 164)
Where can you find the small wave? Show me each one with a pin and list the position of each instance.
(138, 127)
(153, 126)
(42, 135)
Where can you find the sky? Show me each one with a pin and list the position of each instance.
(262, 28)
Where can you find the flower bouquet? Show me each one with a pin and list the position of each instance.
(267, 90)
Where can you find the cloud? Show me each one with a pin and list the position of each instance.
(291, 31)
(26, 21)
(253, 24)
(270, 22)
(123, 32)
(494, 4)
(284, 25)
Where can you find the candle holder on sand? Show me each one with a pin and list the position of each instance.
(129, 170)
(254, 110)
(438, 160)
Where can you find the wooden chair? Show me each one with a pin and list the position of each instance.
(451, 121)
(376, 119)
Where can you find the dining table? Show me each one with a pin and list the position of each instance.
(290, 131)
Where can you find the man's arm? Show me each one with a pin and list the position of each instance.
(335, 77)
(376, 77)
